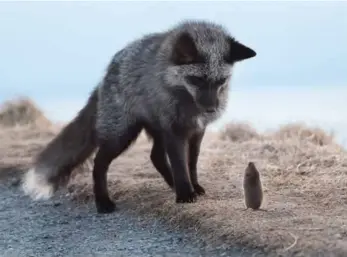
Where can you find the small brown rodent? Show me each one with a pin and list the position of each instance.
(253, 191)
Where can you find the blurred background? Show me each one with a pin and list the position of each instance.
(56, 52)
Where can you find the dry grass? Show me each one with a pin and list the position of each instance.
(301, 132)
(22, 112)
(238, 132)
(304, 174)
(25, 128)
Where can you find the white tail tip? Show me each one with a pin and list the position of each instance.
(36, 186)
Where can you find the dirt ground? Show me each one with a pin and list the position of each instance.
(303, 171)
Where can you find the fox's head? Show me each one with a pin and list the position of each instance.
(200, 60)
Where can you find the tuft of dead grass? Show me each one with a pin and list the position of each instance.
(301, 131)
(24, 126)
(304, 175)
(238, 132)
(22, 112)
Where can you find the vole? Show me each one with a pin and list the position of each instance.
(252, 186)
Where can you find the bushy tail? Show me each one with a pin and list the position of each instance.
(70, 148)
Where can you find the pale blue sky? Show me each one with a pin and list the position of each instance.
(56, 52)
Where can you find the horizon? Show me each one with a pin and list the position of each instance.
(56, 53)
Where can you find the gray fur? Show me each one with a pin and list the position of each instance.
(137, 87)
(141, 85)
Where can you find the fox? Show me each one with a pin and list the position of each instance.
(171, 84)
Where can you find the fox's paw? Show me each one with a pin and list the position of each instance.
(185, 195)
(199, 190)
(169, 182)
(105, 205)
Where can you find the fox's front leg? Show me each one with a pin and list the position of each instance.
(177, 149)
(194, 151)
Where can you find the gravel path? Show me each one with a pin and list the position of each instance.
(60, 228)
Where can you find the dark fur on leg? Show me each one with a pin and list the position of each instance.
(159, 156)
(108, 151)
(160, 162)
(194, 151)
(101, 163)
(177, 148)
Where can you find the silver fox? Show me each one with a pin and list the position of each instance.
(171, 84)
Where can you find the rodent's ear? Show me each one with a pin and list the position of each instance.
(238, 52)
(184, 50)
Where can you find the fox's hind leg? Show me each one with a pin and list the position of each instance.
(109, 149)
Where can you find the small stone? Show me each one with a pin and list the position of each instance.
(15, 182)
(56, 204)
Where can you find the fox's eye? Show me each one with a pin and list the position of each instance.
(194, 80)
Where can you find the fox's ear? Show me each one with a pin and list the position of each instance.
(238, 52)
(184, 50)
